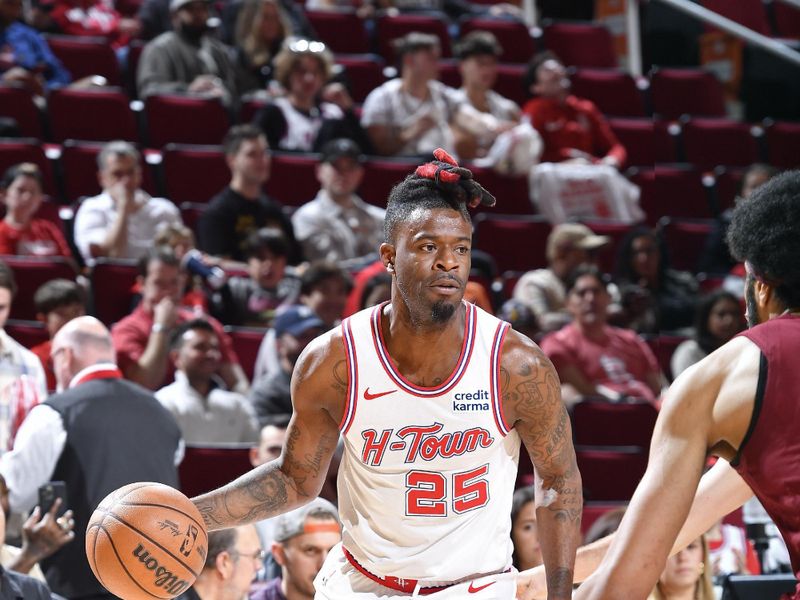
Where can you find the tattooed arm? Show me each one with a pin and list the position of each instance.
(532, 403)
(319, 385)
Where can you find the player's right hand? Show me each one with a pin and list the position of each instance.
(533, 586)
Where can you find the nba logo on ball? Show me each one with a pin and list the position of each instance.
(145, 541)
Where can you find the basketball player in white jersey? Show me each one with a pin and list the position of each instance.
(432, 397)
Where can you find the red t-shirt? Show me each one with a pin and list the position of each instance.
(39, 238)
(621, 362)
(575, 123)
(130, 336)
(42, 351)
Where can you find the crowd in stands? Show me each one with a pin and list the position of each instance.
(218, 297)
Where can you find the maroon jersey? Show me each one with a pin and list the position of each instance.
(769, 458)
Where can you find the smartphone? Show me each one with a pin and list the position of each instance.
(48, 494)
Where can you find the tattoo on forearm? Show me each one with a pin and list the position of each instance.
(559, 582)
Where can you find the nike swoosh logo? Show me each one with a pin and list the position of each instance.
(474, 590)
(368, 396)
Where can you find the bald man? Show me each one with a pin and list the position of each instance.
(98, 433)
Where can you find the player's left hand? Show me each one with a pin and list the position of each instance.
(532, 588)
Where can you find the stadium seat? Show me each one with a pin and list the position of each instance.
(193, 173)
(92, 114)
(616, 230)
(17, 103)
(510, 280)
(514, 37)
(112, 282)
(293, 181)
(727, 183)
(711, 142)
(380, 175)
(750, 13)
(598, 422)
(17, 150)
(388, 28)
(341, 29)
(175, 119)
(678, 191)
(667, 136)
(787, 20)
(27, 333)
(645, 178)
(610, 474)
(685, 240)
(511, 191)
(638, 137)
(783, 145)
(363, 72)
(86, 56)
(677, 92)
(31, 272)
(204, 469)
(246, 342)
(510, 83)
(516, 242)
(135, 49)
(581, 44)
(613, 91)
(663, 346)
(449, 73)
(594, 510)
(190, 213)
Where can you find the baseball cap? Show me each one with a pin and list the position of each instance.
(179, 4)
(339, 148)
(296, 320)
(575, 235)
(293, 522)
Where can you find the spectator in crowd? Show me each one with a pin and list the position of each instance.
(271, 396)
(313, 111)
(189, 59)
(27, 60)
(303, 538)
(253, 300)
(26, 584)
(21, 233)
(22, 380)
(606, 524)
(520, 317)
(730, 552)
(338, 225)
(655, 298)
(261, 28)
(95, 18)
(572, 128)
(57, 302)
(234, 557)
(411, 115)
(123, 220)
(206, 412)
(99, 434)
(686, 575)
(242, 207)
(719, 318)
(324, 288)
(477, 54)
(524, 534)
(542, 290)
(378, 289)
(716, 258)
(595, 359)
(142, 338)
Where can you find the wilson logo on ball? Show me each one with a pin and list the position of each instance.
(163, 577)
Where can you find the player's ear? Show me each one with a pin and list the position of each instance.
(387, 252)
(765, 296)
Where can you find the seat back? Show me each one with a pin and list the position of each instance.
(193, 173)
(516, 242)
(686, 240)
(112, 288)
(610, 474)
(388, 28)
(515, 39)
(293, 180)
(18, 150)
(93, 114)
(206, 468)
(246, 342)
(86, 56)
(30, 273)
(341, 29)
(17, 103)
(581, 44)
(708, 143)
(177, 119)
(603, 423)
(614, 92)
(677, 92)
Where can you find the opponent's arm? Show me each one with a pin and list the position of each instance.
(296, 477)
(532, 402)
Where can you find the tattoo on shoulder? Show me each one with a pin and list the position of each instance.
(340, 377)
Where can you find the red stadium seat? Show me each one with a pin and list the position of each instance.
(27, 333)
(388, 28)
(666, 140)
(246, 342)
(603, 423)
(695, 92)
(449, 73)
(646, 180)
(514, 37)
(614, 92)
(364, 72)
(594, 510)
(30, 273)
(637, 135)
(190, 213)
(787, 20)
(17, 103)
(610, 474)
(204, 469)
(678, 191)
(510, 281)
(17, 150)
(711, 142)
(177, 119)
(581, 44)
(380, 175)
(510, 83)
(86, 56)
(783, 145)
(616, 230)
(511, 191)
(193, 173)
(663, 346)
(341, 29)
(134, 54)
(93, 114)
(727, 184)
(750, 13)
(293, 181)
(516, 242)
(685, 240)
(112, 288)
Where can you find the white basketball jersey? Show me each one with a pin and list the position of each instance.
(427, 477)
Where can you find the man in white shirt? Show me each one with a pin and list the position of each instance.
(205, 412)
(338, 225)
(123, 220)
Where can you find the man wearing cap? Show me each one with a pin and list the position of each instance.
(542, 290)
(337, 225)
(294, 328)
(188, 59)
(303, 538)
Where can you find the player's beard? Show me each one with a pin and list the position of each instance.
(442, 311)
(750, 301)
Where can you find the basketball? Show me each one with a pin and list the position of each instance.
(145, 541)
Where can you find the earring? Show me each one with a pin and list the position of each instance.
(390, 267)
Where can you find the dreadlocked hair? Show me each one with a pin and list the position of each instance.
(440, 183)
